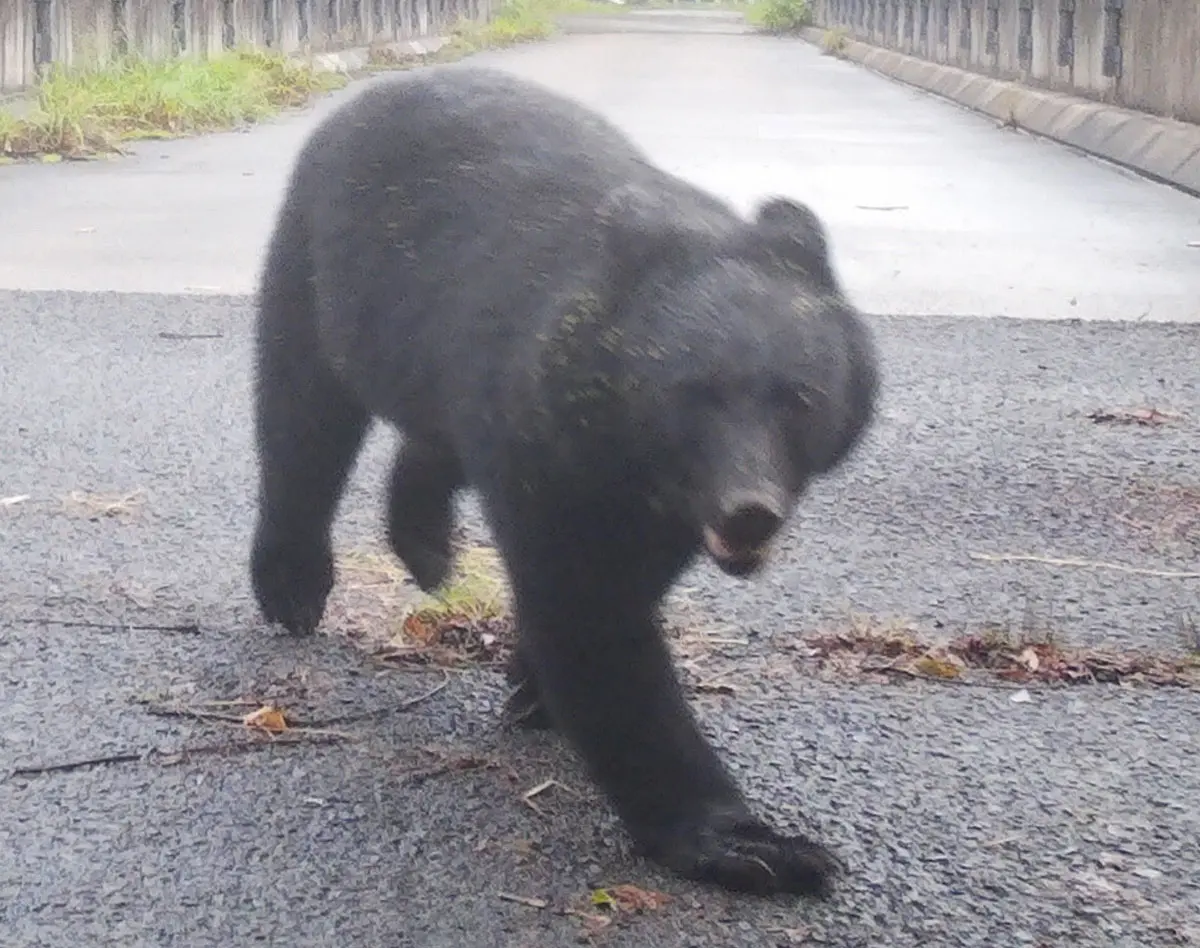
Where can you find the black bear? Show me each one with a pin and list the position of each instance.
(626, 371)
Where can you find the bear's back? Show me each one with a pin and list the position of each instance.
(449, 122)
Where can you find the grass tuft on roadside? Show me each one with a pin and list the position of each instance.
(466, 621)
(834, 42)
(81, 112)
(84, 112)
(780, 17)
(517, 21)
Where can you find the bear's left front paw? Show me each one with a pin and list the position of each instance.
(740, 853)
(292, 582)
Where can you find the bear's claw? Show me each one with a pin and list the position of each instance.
(745, 855)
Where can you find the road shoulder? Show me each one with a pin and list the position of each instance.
(1161, 148)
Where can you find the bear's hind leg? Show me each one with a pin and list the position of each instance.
(420, 516)
(309, 429)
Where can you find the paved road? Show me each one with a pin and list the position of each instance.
(935, 210)
(966, 818)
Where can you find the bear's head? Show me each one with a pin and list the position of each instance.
(751, 371)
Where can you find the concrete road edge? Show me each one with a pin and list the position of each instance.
(358, 58)
(1161, 148)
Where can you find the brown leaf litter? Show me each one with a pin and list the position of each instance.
(468, 623)
(885, 653)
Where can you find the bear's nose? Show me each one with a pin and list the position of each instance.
(750, 523)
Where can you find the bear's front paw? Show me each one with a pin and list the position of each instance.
(291, 584)
(737, 852)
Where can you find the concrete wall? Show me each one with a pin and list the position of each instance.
(1142, 54)
(34, 32)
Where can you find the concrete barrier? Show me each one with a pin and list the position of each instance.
(1162, 148)
(1140, 54)
(34, 33)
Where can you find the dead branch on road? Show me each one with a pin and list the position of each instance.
(186, 628)
(406, 705)
(1082, 564)
(202, 714)
(68, 766)
(167, 758)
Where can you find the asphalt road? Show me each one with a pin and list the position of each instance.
(966, 819)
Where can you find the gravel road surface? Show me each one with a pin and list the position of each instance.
(966, 818)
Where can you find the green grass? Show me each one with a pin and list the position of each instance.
(82, 112)
(518, 21)
(781, 17)
(834, 42)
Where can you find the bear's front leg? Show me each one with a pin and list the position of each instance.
(606, 679)
(309, 429)
(420, 515)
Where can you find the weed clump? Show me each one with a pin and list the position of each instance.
(517, 21)
(834, 42)
(80, 112)
(781, 17)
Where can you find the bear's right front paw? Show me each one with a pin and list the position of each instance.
(736, 851)
(291, 584)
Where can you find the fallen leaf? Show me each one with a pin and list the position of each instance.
(936, 667)
(1029, 658)
(593, 922)
(267, 718)
(1147, 417)
(632, 898)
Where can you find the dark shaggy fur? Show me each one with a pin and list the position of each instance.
(627, 372)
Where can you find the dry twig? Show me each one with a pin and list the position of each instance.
(523, 900)
(185, 628)
(1082, 564)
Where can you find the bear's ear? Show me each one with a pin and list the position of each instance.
(792, 219)
(793, 232)
(641, 230)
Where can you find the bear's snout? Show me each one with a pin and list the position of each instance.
(739, 539)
